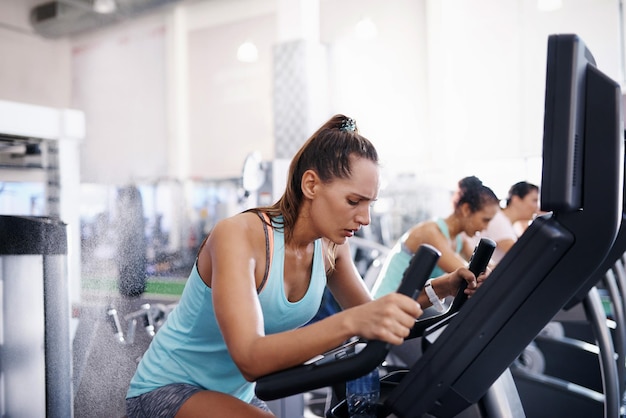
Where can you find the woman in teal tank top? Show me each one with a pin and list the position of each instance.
(259, 277)
(474, 205)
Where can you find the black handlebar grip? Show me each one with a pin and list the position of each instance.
(478, 264)
(419, 270)
(309, 376)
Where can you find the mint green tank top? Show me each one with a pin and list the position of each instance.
(189, 347)
(398, 260)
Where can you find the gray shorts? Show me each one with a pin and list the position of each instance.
(166, 401)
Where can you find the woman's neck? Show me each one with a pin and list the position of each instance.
(511, 213)
(301, 237)
(454, 226)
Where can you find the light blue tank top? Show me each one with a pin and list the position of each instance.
(398, 260)
(443, 227)
(189, 347)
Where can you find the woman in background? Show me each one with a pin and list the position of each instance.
(474, 205)
(522, 205)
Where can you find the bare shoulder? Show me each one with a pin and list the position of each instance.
(239, 237)
(338, 251)
(245, 221)
(241, 230)
(337, 259)
(426, 232)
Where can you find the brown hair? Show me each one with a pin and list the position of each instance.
(473, 192)
(520, 189)
(328, 153)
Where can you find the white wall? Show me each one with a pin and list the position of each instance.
(382, 82)
(230, 102)
(119, 81)
(33, 70)
(487, 80)
(449, 88)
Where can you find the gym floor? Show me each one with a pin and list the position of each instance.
(104, 365)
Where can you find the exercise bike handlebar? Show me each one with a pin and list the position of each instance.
(337, 365)
(477, 265)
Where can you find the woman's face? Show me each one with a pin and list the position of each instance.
(529, 205)
(342, 206)
(478, 221)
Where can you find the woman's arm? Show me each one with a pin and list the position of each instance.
(449, 261)
(429, 233)
(468, 248)
(449, 283)
(505, 244)
(240, 317)
(345, 282)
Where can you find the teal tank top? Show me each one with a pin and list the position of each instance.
(189, 347)
(398, 260)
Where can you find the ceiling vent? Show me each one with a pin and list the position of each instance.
(61, 18)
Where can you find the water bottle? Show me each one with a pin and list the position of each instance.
(362, 395)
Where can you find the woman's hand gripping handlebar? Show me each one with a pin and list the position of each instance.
(477, 265)
(345, 363)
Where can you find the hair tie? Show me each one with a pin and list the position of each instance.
(348, 125)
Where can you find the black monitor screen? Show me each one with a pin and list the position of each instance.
(564, 123)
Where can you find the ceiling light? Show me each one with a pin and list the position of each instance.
(247, 52)
(366, 29)
(104, 6)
